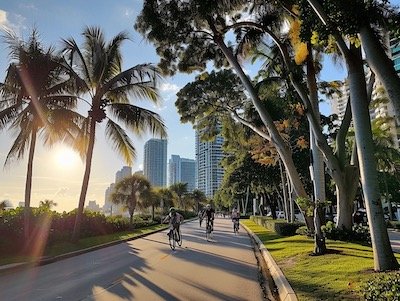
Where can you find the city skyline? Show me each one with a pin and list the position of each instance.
(58, 172)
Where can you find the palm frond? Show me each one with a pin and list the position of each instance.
(8, 115)
(121, 141)
(20, 145)
(114, 57)
(137, 90)
(138, 119)
(64, 125)
(144, 75)
(74, 57)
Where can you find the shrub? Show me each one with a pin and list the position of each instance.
(279, 226)
(286, 229)
(358, 233)
(382, 287)
(303, 231)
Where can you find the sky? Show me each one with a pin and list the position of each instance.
(58, 172)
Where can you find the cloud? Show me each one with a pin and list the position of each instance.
(169, 88)
(3, 18)
(28, 6)
(128, 12)
(61, 191)
(6, 24)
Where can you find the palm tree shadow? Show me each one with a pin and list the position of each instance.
(123, 287)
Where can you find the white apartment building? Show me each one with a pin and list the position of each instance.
(209, 173)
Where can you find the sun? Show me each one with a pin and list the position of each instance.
(66, 158)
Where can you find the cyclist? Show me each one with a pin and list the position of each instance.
(235, 215)
(200, 215)
(209, 215)
(174, 219)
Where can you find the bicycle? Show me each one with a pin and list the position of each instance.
(235, 226)
(174, 238)
(209, 229)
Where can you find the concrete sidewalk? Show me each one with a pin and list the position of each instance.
(285, 291)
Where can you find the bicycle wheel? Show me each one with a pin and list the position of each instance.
(171, 240)
(208, 231)
(236, 227)
(178, 237)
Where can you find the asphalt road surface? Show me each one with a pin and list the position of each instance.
(147, 269)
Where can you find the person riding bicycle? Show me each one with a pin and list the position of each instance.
(209, 215)
(200, 215)
(174, 219)
(235, 215)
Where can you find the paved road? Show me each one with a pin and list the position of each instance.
(147, 269)
(394, 240)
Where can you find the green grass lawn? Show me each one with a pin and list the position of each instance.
(334, 276)
(66, 247)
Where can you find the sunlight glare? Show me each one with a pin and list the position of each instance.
(66, 158)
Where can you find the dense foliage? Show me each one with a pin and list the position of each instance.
(382, 287)
(55, 227)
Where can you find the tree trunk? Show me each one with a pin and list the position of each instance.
(383, 254)
(85, 184)
(28, 184)
(382, 66)
(319, 242)
(285, 193)
(346, 190)
(317, 169)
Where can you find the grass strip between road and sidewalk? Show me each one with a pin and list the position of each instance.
(64, 247)
(336, 275)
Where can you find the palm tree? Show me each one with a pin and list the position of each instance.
(3, 205)
(180, 189)
(46, 205)
(198, 196)
(152, 200)
(97, 68)
(130, 191)
(33, 101)
(166, 198)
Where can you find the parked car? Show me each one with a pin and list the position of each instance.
(279, 214)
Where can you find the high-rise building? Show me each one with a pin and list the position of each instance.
(110, 208)
(394, 44)
(125, 172)
(155, 162)
(182, 170)
(209, 172)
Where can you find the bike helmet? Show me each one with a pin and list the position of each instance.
(208, 206)
(172, 209)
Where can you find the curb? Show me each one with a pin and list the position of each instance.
(285, 291)
(47, 260)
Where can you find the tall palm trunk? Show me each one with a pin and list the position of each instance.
(375, 55)
(383, 254)
(28, 184)
(317, 165)
(85, 183)
(285, 192)
(381, 65)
